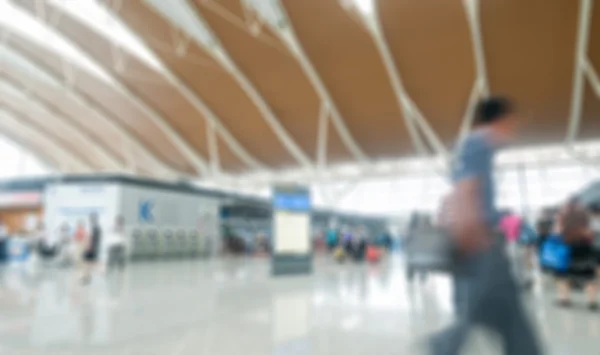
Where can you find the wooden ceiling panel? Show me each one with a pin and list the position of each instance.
(210, 81)
(275, 72)
(336, 150)
(51, 127)
(229, 162)
(48, 126)
(529, 50)
(434, 57)
(62, 104)
(346, 58)
(138, 76)
(98, 133)
(14, 122)
(108, 101)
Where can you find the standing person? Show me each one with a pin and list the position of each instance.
(117, 248)
(80, 237)
(486, 292)
(574, 228)
(595, 226)
(332, 238)
(92, 252)
(511, 225)
(544, 226)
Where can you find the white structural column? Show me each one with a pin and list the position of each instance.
(65, 127)
(481, 85)
(63, 155)
(186, 150)
(213, 150)
(287, 34)
(220, 54)
(322, 134)
(467, 120)
(126, 137)
(200, 105)
(472, 8)
(583, 34)
(592, 76)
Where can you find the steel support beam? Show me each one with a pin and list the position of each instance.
(472, 8)
(220, 54)
(126, 138)
(583, 34)
(432, 137)
(66, 124)
(181, 144)
(481, 84)
(592, 76)
(467, 121)
(413, 117)
(213, 150)
(65, 155)
(322, 135)
(287, 35)
(201, 107)
(373, 25)
(401, 167)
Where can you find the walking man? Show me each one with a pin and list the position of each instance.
(486, 293)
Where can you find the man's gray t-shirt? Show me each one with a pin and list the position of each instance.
(475, 160)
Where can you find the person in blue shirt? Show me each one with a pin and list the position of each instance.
(332, 238)
(486, 293)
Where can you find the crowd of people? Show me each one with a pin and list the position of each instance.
(356, 244)
(85, 246)
(563, 243)
(568, 249)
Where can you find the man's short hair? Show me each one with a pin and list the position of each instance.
(492, 109)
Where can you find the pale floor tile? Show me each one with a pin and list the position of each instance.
(233, 307)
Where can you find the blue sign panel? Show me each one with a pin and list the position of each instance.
(291, 202)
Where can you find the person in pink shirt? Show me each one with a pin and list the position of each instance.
(510, 225)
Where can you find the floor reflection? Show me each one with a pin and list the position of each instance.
(235, 307)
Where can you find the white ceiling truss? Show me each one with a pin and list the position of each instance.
(186, 150)
(74, 164)
(62, 125)
(203, 108)
(392, 169)
(273, 13)
(583, 34)
(473, 11)
(322, 134)
(213, 150)
(481, 85)
(413, 116)
(195, 28)
(29, 68)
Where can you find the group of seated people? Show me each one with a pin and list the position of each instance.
(356, 246)
(574, 228)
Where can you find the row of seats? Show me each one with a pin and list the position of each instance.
(153, 243)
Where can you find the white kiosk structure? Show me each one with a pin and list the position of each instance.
(292, 247)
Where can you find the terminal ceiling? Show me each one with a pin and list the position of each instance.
(234, 86)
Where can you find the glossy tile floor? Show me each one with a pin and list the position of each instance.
(233, 307)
